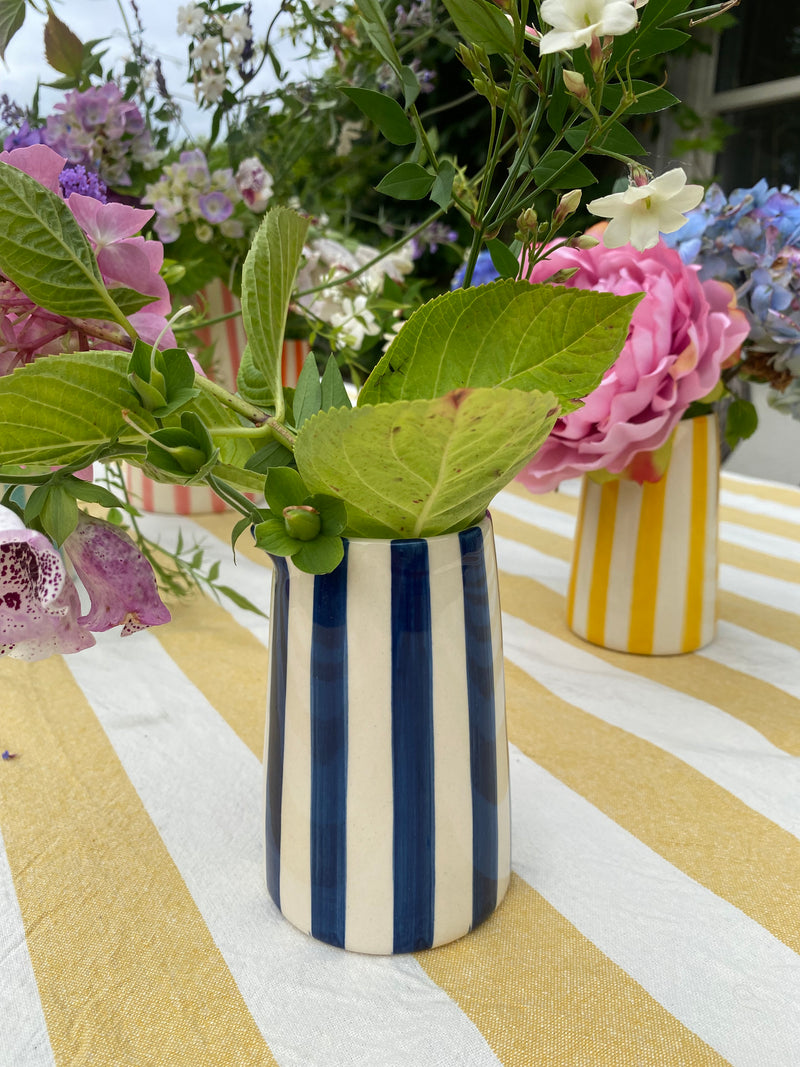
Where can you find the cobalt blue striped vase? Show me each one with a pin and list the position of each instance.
(386, 760)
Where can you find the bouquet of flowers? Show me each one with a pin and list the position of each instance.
(465, 395)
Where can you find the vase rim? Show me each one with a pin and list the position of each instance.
(394, 539)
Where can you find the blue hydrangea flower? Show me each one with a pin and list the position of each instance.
(485, 271)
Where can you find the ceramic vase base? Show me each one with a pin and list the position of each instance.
(386, 759)
(644, 569)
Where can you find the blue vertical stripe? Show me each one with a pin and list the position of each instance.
(482, 727)
(412, 747)
(279, 631)
(329, 756)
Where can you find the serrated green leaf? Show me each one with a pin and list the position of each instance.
(267, 279)
(573, 176)
(58, 409)
(62, 48)
(12, 16)
(45, 252)
(442, 188)
(385, 112)
(649, 98)
(505, 262)
(408, 181)
(423, 467)
(509, 334)
(308, 392)
(482, 23)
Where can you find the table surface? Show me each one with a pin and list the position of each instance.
(653, 918)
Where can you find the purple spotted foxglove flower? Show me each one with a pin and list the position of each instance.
(117, 577)
(39, 605)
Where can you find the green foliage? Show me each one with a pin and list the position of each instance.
(741, 421)
(385, 112)
(267, 280)
(303, 525)
(12, 16)
(422, 467)
(407, 181)
(481, 23)
(508, 334)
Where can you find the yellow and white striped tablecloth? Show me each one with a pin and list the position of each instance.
(653, 918)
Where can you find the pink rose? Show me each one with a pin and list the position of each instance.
(681, 335)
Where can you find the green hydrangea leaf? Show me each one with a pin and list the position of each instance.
(267, 279)
(509, 334)
(422, 467)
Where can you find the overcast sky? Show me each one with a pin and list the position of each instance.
(91, 19)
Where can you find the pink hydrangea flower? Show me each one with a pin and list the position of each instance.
(28, 331)
(117, 577)
(681, 335)
(39, 605)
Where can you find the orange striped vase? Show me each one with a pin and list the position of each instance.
(644, 568)
(228, 340)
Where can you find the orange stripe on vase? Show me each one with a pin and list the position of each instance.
(645, 575)
(598, 597)
(695, 577)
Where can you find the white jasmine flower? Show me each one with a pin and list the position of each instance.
(348, 135)
(354, 322)
(190, 19)
(642, 212)
(207, 53)
(236, 26)
(576, 22)
(212, 86)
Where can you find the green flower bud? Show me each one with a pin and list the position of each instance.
(188, 458)
(302, 522)
(574, 84)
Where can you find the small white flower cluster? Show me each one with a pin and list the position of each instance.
(345, 307)
(217, 41)
(188, 192)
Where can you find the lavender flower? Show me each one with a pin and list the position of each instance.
(25, 137)
(75, 178)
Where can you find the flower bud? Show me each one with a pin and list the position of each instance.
(567, 205)
(527, 223)
(302, 522)
(562, 276)
(188, 458)
(574, 84)
(582, 240)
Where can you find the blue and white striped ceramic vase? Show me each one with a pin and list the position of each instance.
(386, 760)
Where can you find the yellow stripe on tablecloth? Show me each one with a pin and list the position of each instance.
(748, 559)
(770, 622)
(544, 996)
(695, 824)
(563, 502)
(767, 709)
(764, 491)
(167, 994)
(763, 523)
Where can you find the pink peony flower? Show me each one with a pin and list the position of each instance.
(39, 605)
(680, 337)
(117, 577)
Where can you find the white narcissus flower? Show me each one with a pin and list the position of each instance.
(190, 19)
(642, 212)
(576, 22)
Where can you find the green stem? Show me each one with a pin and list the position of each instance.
(242, 407)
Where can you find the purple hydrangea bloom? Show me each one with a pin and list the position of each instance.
(117, 577)
(215, 207)
(25, 137)
(75, 178)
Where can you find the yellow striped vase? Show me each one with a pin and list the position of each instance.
(644, 568)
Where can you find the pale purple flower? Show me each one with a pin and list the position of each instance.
(215, 207)
(117, 577)
(39, 605)
(25, 137)
(254, 183)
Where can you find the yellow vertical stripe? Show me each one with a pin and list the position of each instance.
(104, 908)
(695, 824)
(544, 996)
(598, 594)
(645, 574)
(576, 555)
(698, 534)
